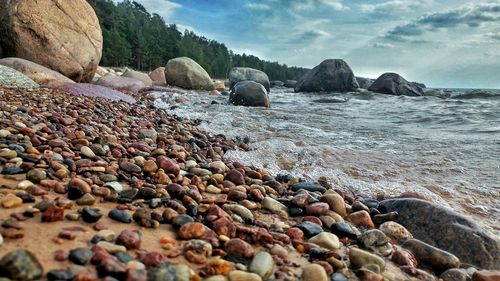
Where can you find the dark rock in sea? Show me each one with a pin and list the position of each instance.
(332, 75)
(238, 74)
(120, 215)
(342, 229)
(20, 265)
(308, 186)
(433, 257)
(90, 215)
(394, 84)
(92, 91)
(80, 256)
(277, 83)
(418, 84)
(249, 93)
(310, 229)
(364, 83)
(290, 83)
(447, 230)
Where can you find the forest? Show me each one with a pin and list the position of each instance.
(133, 37)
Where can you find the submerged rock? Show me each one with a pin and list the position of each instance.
(394, 84)
(238, 74)
(332, 75)
(249, 93)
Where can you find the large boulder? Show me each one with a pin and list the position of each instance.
(238, 74)
(332, 75)
(121, 83)
(249, 93)
(64, 36)
(394, 84)
(12, 78)
(447, 230)
(38, 73)
(290, 83)
(364, 83)
(188, 74)
(158, 76)
(91, 90)
(143, 77)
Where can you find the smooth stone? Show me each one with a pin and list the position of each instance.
(309, 187)
(238, 275)
(148, 134)
(376, 241)
(395, 231)
(131, 239)
(310, 229)
(8, 154)
(455, 274)
(86, 200)
(21, 265)
(326, 240)
(343, 229)
(60, 275)
(336, 203)
(360, 258)
(120, 216)
(36, 175)
(295, 212)
(274, 206)
(85, 150)
(11, 201)
(314, 272)
(181, 220)
(338, 277)
(108, 177)
(239, 248)
(128, 194)
(242, 211)
(486, 275)
(90, 215)
(116, 186)
(262, 264)
(170, 272)
(130, 167)
(200, 172)
(111, 248)
(107, 234)
(80, 256)
(4, 133)
(431, 256)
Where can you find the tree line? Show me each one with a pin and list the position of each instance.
(134, 37)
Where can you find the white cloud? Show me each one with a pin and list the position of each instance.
(164, 8)
(335, 4)
(309, 5)
(395, 6)
(383, 45)
(258, 6)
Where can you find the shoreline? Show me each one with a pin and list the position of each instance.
(193, 162)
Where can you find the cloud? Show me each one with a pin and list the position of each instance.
(335, 4)
(493, 35)
(309, 5)
(258, 6)
(395, 6)
(380, 45)
(474, 15)
(164, 8)
(308, 36)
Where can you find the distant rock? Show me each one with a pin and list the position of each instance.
(143, 77)
(28, 31)
(277, 83)
(92, 90)
(290, 83)
(418, 84)
(14, 79)
(445, 229)
(40, 74)
(238, 74)
(188, 74)
(158, 76)
(364, 83)
(121, 83)
(394, 84)
(332, 75)
(249, 93)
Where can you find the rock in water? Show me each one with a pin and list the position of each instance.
(249, 93)
(443, 228)
(121, 83)
(364, 83)
(20, 265)
(290, 83)
(188, 74)
(27, 29)
(431, 256)
(143, 77)
(238, 74)
(12, 78)
(394, 84)
(332, 75)
(40, 74)
(277, 83)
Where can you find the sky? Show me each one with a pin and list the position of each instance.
(442, 43)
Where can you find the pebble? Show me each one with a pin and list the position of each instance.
(111, 247)
(240, 248)
(181, 220)
(310, 229)
(326, 240)
(200, 172)
(243, 212)
(274, 206)
(360, 218)
(150, 166)
(120, 216)
(59, 274)
(309, 187)
(336, 203)
(435, 258)
(80, 256)
(179, 272)
(455, 274)
(197, 251)
(11, 201)
(343, 229)
(86, 200)
(1, 239)
(360, 258)
(338, 277)
(376, 241)
(107, 234)
(238, 275)
(90, 215)
(365, 274)
(131, 239)
(317, 209)
(314, 272)
(395, 231)
(262, 264)
(85, 150)
(130, 167)
(24, 184)
(486, 275)
(7, 153)
(36, 175)
(21, 265)
(192, 230)
(4, 133)
(77, 188)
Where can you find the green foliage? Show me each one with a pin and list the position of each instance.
(134, 37)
